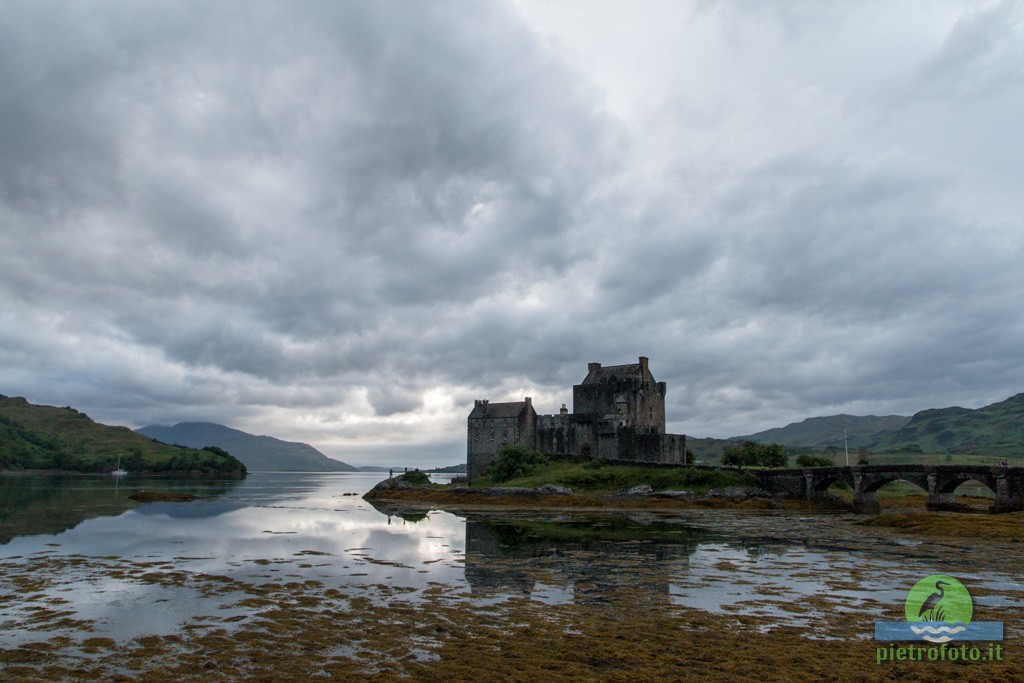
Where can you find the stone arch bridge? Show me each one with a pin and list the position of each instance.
(940, 481)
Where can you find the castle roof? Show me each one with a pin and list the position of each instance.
(603, 374)
(484, 409)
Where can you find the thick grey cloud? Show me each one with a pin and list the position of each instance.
(341, 222)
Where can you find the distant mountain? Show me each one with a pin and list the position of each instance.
(257, 452)
(450, 469)
(822, 432)
(996, 429)
(36, 437)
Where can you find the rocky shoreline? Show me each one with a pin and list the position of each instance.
(400, 489)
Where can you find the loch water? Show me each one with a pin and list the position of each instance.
(62, 537)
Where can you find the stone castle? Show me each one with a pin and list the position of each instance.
(618, 414)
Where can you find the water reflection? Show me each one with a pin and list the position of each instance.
(155, 569)
(582, 560)
(49, 504)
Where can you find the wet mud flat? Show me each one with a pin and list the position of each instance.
(693, 594)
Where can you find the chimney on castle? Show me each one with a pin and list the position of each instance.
(564, 410)
(591, 367)
(643, 364)
(529, 401)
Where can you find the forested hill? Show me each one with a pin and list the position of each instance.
(996, 429)
(264, 453)
(37, 437)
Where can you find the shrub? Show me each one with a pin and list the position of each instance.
(515, 461)
(751, 453)
(416, 477)
(813, 461)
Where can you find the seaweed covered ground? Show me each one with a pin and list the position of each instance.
(300, 631)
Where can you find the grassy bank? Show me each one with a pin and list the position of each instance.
(597, 476)
(595, 485)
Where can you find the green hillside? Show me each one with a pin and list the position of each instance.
(34, 437)
(996, 429)
(822, 432)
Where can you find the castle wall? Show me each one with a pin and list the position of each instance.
(556, 434)
(487, 436)
(637, 446)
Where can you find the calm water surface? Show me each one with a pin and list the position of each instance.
(63, 539)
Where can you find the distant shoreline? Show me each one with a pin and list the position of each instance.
(190, 474)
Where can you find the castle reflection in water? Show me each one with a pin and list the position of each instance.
(583, 561)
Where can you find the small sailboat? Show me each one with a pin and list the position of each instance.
(119, 472)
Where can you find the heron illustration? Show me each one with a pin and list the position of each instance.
(932, 606)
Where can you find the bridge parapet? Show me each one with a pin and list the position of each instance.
(939, 481)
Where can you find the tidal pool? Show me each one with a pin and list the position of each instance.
(85, 573)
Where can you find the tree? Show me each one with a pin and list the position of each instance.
(773, 455)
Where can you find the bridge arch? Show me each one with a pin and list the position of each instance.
(873, 482)
(823, 483)
(951, 482)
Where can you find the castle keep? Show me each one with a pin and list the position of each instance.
(618, 414)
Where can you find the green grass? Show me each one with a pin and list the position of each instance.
(599, 476)
(930, 459)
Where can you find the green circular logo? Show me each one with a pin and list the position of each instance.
(939, 598)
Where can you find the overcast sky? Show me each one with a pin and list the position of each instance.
(341, 222)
